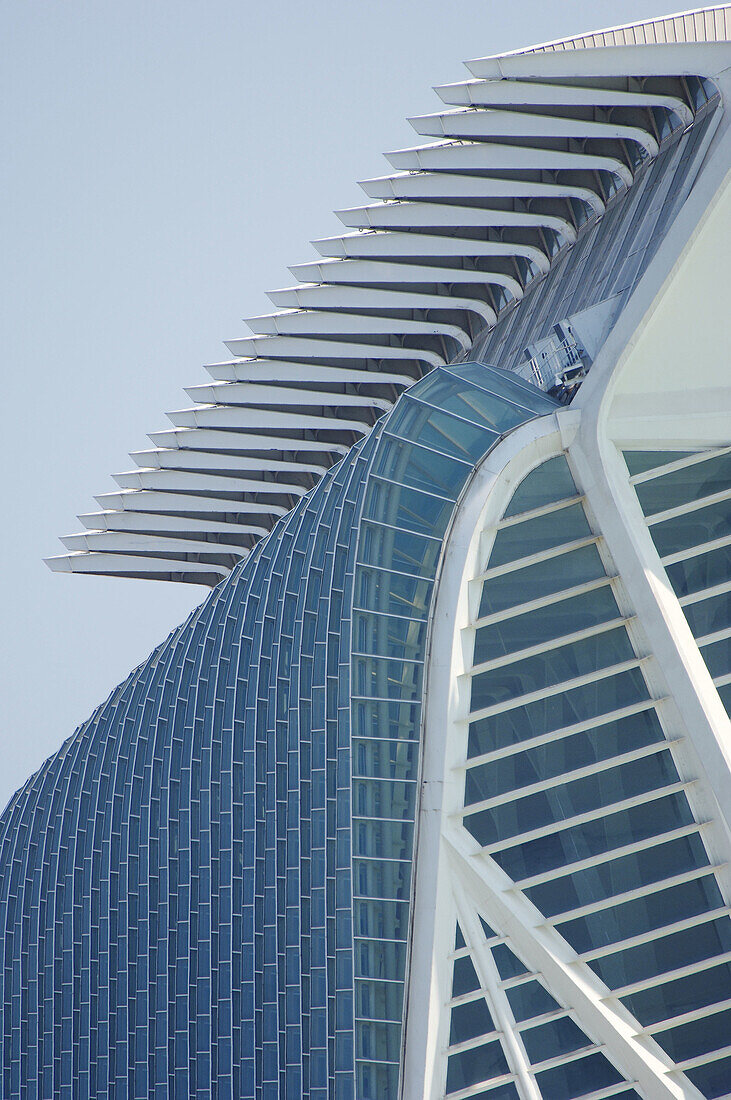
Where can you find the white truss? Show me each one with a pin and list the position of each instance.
(527, 155)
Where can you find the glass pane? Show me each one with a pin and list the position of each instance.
(575, 843)
(473, 1067)
(664, 953)
(440, 431)
(709, 616)
(633, 918)
(549, 482)
(552, 667)
(692, 528)
(702, 479)
(701, 571)
(504, 383)
(662, 1002)
(471, 402)
(470, 1020)
(576, 1078)
(508, 964)
(619, 875)
(529, 1000)
(568, 799)
(557, 711)
(556, 757)
(388, 636)
(403, 551)
(545, 623)
(713, 1079)
(697, 1037)
(543, 579)
(520, 540)
(553, 1039)
(717, 656)
(464, 977)
(421, 468)
(640, 461)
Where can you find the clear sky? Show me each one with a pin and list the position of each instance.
(163, 162)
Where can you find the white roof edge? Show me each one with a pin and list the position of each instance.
(579, 41)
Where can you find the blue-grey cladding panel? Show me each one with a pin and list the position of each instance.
(206, 891)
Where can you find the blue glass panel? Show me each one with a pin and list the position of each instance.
(670, 490)
(530, 1000)
(613, 830)
(520, 540)
(379, 1042)
(701, 571)
(470, 402)
(470, 1020)
(697, 1037)
(555, 666)
(405, 551)
(439, 431)
(638, 462)
(567, 799)
(464, 977)
(552, 1039)
(709, 616)
(673, 998)
(547, 483)
(544, 624)
(408, 508)
(576, 1078)
(422, 468)
(556, 712)
(617, 876)
(504, 384)
(473, 1067)
(692, 528)
(543, 579)
(636, 917)
(713, 1079)
(717, 656)
(665, 953)
(554, 758)
(508, 964)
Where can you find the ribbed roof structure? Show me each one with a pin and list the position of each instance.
(522, 159)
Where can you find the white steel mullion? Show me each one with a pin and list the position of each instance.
(703, 1059)
(717, 636)
(550, 958)
(632, 895)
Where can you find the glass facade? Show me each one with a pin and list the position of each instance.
(571, 783)
(207, 890)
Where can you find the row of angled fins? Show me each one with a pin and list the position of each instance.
(527, 155)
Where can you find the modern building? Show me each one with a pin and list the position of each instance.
(431, 796)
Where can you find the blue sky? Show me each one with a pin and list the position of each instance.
(163, 163)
